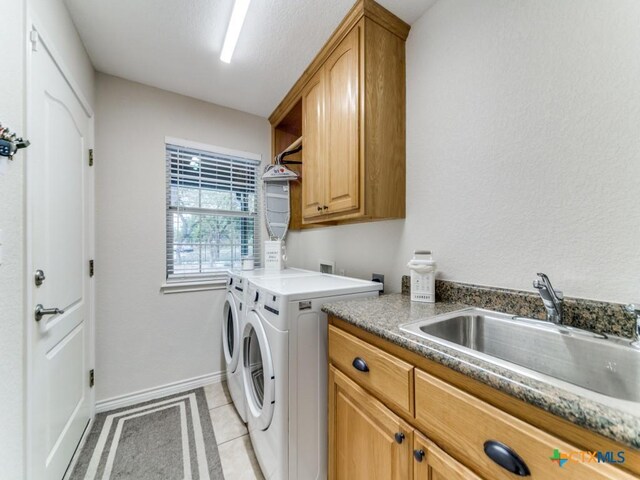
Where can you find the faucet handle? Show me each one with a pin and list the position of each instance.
(633, 308)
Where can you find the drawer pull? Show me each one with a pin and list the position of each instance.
(418, 455)
(360, 364)
(506, 458)
(399, 437)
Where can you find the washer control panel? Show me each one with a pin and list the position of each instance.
(271, 303)
(253, 295)
(238, 284)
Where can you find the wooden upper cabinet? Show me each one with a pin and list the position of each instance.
(366, 440)
(342, 157)
(313, 115)
(353, 122)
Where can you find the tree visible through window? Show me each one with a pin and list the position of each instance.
(212, 212)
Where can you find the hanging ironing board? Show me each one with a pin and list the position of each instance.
(276, 180)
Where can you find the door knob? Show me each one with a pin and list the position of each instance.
(39, 277)
(40, 312)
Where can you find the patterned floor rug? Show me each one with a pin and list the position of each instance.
(170, 438)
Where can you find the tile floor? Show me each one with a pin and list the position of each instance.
(236, 453)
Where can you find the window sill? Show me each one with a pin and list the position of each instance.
(199, 286)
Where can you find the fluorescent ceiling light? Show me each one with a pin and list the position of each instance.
(233, 30)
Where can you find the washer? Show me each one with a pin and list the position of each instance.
(284, 370)
(231, 341)
(233, 324)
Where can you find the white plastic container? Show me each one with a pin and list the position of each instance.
(274, 256)
(423, 277)
(248, 263)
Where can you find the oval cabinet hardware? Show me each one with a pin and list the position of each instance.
(418, 455)
(360, 364)
(399, 437)
(506, 458)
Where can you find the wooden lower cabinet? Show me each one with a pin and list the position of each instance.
(431, 463)
(445, 433)
(366, 440)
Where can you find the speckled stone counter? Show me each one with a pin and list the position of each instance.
(383, 315)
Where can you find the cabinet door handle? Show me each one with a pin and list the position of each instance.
(506, 458)
(319, 208)
(360, 364)
(325, 207)
(418, 455)
(399, 437)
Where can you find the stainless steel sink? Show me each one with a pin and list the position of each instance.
(607, 365)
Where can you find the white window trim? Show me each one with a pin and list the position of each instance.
(217, 281)
(194, 286)
(179, 142)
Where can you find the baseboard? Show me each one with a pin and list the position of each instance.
(157, 392)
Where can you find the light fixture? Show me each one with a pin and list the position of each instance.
(233, 30)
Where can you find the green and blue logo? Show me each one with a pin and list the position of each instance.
(560, 458)
(583, 456)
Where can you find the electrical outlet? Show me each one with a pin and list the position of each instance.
(327, 266)
(378, 277)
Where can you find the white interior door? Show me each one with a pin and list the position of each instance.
(59, 243)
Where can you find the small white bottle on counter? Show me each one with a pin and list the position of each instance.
(423, 277)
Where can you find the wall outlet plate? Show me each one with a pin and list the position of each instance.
(378, 277)
(327, 266)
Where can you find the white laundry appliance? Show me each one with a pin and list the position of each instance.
(284, 370)
(233, 324)
(231, 338)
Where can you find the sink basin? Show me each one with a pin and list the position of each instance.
(607, 365)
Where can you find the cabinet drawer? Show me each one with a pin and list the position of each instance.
(461, 424)
(390, 378)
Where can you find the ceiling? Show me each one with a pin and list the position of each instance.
(175, 44)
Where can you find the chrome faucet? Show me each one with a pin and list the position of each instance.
(553, 299)
(635, 309)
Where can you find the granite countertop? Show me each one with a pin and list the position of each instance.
(383, 315)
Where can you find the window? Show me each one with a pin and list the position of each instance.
(212, 211)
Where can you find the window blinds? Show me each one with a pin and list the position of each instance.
(212, 212)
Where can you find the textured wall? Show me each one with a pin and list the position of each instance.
(12, 226)
(147, 339)
(522, 151)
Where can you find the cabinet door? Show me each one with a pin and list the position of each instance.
(342, 73)
(366, 440)
(431, 463)
(314, 151)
